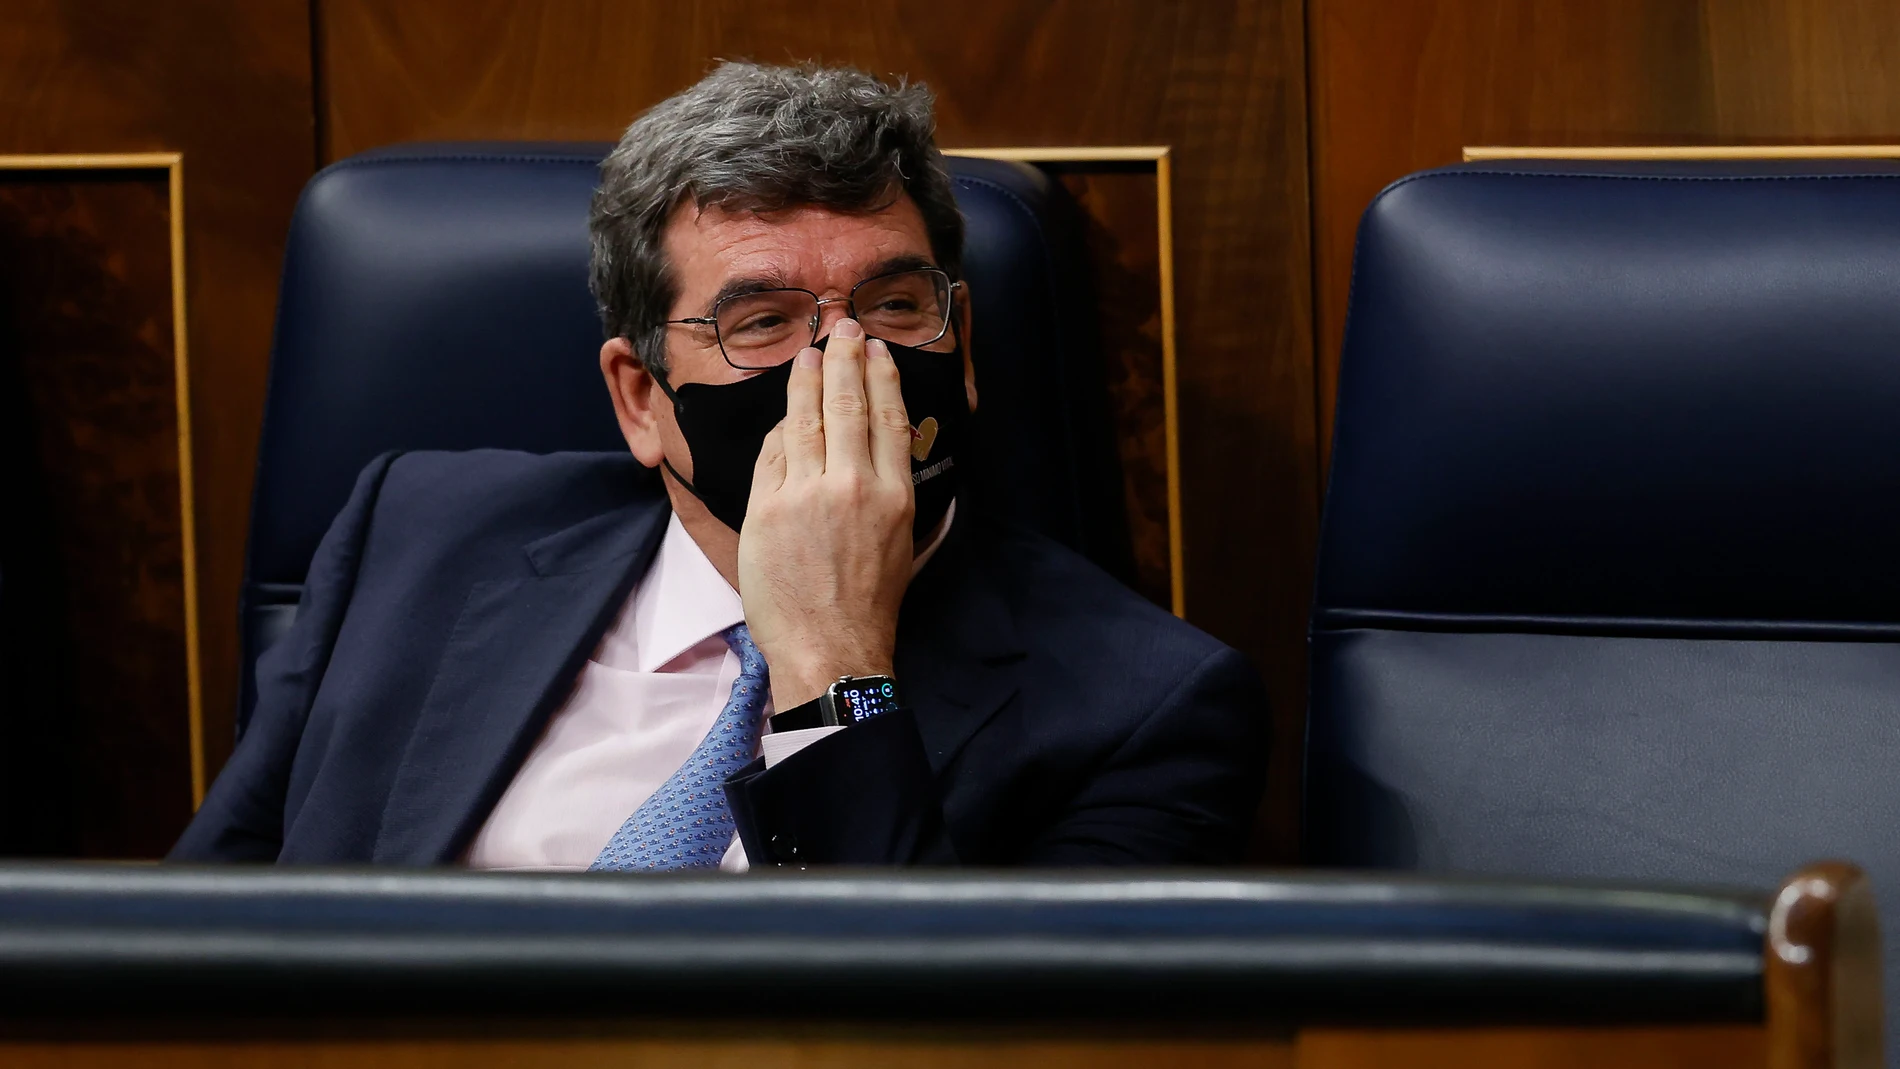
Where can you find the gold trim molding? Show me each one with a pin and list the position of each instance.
(1160, 156)
(173, 164)
(1475, 153)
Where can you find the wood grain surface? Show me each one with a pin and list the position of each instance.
(1118, 207)
(652, 1045)
(1660, 1047)
(948, 1047)
(1397, 87)
(227, 83)
(86, 369)
(1221, 81)
(1822, 971)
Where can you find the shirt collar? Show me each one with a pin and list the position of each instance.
(682, 602)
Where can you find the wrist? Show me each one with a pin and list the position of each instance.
(803, 683)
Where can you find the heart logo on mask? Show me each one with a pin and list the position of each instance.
(922, 437)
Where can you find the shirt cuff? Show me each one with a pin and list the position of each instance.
(779, 745)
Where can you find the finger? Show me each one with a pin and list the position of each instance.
(890, 423)
(804, 426)
(847, 444)
(768, 473)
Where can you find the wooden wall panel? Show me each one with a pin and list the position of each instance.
(227, 83)
(1122, 231)
(1397, 87)
(1222, 81)
(1802, 70)
(96, 759)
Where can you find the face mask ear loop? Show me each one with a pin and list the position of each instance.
(659, 377)
(955, 319)
(668, 465)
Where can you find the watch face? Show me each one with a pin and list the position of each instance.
(863, 697)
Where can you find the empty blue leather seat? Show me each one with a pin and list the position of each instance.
(1607, 577)
(435, 297)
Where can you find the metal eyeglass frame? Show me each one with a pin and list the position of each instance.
(950, 290)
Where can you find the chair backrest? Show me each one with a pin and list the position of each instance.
(1608, 579)
(435, 297)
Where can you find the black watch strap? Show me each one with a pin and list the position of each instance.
(809, 715)
(851, 700)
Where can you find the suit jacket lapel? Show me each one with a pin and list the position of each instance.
(515, 651)
(957, 650)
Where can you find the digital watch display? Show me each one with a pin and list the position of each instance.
(851, 700)
(855, 699)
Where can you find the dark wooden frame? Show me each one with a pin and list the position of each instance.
(173, 164)
(1160, 157)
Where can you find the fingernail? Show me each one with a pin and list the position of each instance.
(848, 328)
(809, 357)
(878, 349)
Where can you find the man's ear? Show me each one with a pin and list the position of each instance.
(636, 396)
(963, 333)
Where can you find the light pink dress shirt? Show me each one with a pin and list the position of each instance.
(641, 704)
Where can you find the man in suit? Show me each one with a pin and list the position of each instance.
(766, 634)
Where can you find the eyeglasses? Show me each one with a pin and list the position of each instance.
(766, 328)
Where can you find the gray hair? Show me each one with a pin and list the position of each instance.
(753, 137)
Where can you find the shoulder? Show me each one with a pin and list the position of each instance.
(478, 478)
(438, 505)
(551, 490)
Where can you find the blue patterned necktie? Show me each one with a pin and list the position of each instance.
(686, 824)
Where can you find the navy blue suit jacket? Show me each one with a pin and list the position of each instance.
(1056, 717)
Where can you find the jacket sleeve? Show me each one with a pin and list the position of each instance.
(242, 818)
(1180, 790)
(861, 796)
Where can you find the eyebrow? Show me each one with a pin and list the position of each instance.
(743, 285)
(894, 264)
(739, 287)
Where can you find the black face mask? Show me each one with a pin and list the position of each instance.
(725, 427)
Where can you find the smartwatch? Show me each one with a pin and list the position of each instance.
(851, 700)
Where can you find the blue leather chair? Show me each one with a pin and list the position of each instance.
(1609, 575)
(435, 297)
